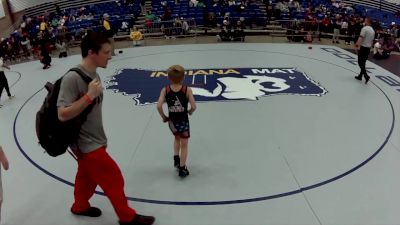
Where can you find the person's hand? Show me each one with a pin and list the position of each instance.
(165, 119)
(191, 111)
(94, 89)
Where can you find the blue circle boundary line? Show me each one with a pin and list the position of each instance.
(227, 202)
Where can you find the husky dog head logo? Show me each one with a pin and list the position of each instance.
(217, 84)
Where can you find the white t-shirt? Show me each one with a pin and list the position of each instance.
(368, 35)
(345, 25)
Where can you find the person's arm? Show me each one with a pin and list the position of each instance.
(360, 39)
(66, 113)
(160, 103)
(192, 101)
(6, 66)
(3, 159)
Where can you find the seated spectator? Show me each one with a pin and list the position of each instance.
(201, 4)
(298, 34)
(379, 51)
(224, 34)
(61, 47)
(185, 26)
(124, 26)
(164, 4)
(241, 6)
(193, 3)
(136, 36)
(26, 45)
(149, 18)
(238, 32)
(389, 43)
(280, 7)
(211, 19)
(215, 3)
(308, 38)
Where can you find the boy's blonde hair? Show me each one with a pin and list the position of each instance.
(176, 74)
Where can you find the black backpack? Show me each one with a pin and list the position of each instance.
(55, 136)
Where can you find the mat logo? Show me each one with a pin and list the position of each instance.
(217, 84)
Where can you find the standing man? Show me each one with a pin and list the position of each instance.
(95, 166)
(108, 31)
(363, 46)
(3, 80)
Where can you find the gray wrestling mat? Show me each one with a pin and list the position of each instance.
(283, 134)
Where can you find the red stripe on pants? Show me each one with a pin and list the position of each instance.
(98, 168)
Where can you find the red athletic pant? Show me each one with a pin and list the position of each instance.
(98, 168)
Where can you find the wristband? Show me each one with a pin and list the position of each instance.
(88, 99)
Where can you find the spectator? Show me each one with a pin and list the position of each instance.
(225, 34)
(193, 3)
(238, 33)
(3, 81)
(26, 45)
(44, 57)
(379, 52)
(136, 36)
(344, 30)
(61, 47)
(108, 32)
(149, 19)
(337, 25)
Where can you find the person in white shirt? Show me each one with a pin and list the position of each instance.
(3, 80)
(363, 46)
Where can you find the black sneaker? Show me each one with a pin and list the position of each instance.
(90, 212)
(359, 77)
(140, 220)
(183, 171)
(176, 161)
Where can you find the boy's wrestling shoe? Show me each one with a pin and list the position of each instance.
(183, 171)
(177, 161)
(140, 220)
(90, 212)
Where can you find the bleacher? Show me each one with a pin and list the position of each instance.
(118, 14)
(384, 17)
(64, 4)
(254, 14)
(382, 5)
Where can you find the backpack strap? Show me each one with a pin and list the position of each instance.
(85, 112)
(87, 80)
(84, 77)
(184, 89)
